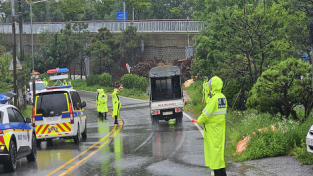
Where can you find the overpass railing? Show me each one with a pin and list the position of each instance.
(113, 26)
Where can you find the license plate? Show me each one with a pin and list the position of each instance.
(168, 113)
(309, 141)
(53, 129)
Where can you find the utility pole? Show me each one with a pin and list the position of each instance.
(14, 54)
(21, 29)
(124, 15)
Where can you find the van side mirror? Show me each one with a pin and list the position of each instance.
(148, 92)
(83, 104)
(28, 120)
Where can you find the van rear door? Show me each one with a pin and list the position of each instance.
(52, 116)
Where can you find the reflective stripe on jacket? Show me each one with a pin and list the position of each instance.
(213, 118)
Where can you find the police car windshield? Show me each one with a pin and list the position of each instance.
(51, 104)
(39, 86)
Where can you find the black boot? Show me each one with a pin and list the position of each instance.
(99, 115)
(115, 121)
(105, 115)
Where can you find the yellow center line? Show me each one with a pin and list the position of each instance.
(92, 153)
(73, 159)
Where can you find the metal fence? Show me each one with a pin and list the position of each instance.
(113, 26)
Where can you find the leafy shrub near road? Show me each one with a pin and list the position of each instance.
(105, 79)
(131, 81)
(283, 87)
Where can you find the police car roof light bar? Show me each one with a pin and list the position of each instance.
(59, 87)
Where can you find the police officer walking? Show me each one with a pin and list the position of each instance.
(205, 90)
(213, 120)
(102, 106)
(116, 105)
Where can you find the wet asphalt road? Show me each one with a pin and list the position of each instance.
(135, 147)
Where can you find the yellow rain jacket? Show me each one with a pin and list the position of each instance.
(102, 101)
(116, 104)
(205, 91)
(64, 82)
(213, 120)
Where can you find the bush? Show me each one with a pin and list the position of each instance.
(92, 80)
(105, 79)
(283, 87)
(131, 81)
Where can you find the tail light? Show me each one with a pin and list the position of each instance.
(71, 114)
(34, 125)
(155, 112)
(178, 109)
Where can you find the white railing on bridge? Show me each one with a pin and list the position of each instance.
(113, 26)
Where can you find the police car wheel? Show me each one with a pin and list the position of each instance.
(33, 155)
(77, 138)
(84, 134)
(38, 142)
(10, 165)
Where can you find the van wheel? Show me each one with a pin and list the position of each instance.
(78, 136)
(84, 134)
(33, 155)
(10, 165)
(179, 119)
(155, 121)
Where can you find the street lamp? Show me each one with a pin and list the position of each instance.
(31, 31)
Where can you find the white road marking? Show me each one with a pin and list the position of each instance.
(200, 129)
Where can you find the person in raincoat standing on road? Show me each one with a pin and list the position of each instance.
(213, 120)
(102, 106)
(205, 90)
(116, 105)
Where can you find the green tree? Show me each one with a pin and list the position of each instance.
(283, 87)
(105, 49)
(72, 7)
(129, 41)
(247, 40)
(139, 6)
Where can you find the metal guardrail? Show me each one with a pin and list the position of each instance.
(113, 26)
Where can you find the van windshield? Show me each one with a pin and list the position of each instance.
(166, 88)
(39, 86)
(51, 104)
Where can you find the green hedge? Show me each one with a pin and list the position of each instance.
(105, 79)
(131, 81)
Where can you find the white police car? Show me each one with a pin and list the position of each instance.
(59, 113)
(40, 86)
(17, 137)
(309, 140)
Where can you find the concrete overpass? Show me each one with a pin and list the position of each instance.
(167, 40)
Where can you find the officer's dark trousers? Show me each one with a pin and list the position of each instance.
(220, 172)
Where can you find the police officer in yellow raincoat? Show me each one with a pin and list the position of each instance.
(64, 82)
(45, 82)
(213, 120)
(116, 105)
(205, 90)
(102, 106)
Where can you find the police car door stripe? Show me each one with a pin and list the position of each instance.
(219, 112)
(206, 112)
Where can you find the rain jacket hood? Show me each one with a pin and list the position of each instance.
(217, 85)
